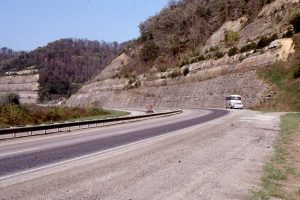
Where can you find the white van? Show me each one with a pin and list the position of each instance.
(234, 101)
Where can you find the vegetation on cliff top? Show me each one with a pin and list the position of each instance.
(183, 27)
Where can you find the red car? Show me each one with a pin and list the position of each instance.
(149, 109)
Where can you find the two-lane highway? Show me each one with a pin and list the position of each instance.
(158, 159)
(30, 153)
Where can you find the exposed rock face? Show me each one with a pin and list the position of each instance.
(209, 93)
(219, 35)
(272, 19)
(111, 70)
(23, 83)
(207, 84)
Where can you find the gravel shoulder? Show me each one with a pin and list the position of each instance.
(222, 159)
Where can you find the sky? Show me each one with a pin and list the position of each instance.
(28, 24)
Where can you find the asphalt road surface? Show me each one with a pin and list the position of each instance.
(176, 157)
(50, 151)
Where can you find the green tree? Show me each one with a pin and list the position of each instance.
(233, 51)
(296, 23)
(149, 51)
(186, 71)
(9, 99)
(231, 38)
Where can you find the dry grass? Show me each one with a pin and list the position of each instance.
(281, 173)
(18, 115)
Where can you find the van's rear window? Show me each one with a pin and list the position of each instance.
(233, 98)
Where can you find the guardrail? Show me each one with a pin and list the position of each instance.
(68, 125)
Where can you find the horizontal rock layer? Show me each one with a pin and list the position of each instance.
(209, 93)
(25, 85)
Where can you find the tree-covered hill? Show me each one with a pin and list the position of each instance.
(63, 65)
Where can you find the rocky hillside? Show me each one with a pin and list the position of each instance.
(24, 82)
(63, 66)
(200, 72)
(179, 32)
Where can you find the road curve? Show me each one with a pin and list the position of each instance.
(18, 157)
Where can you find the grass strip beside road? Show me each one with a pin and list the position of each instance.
(281, 178)
(22, 115)
(112, 114)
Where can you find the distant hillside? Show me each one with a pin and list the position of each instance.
(63, 65)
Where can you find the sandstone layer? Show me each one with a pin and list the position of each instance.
(24, 84)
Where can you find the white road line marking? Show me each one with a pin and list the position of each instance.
(122, 132)
(15, 152)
